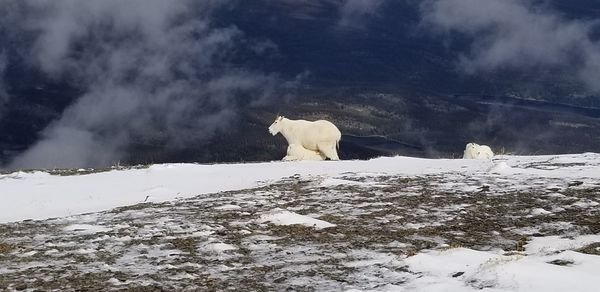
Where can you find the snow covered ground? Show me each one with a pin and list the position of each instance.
(39, 195)
(519, 223)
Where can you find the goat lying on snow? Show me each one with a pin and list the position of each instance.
(320, 136)
(297, 152)
(476, 151)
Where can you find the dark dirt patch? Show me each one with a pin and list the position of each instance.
(188, 245)
(561, 262)
(593, 248)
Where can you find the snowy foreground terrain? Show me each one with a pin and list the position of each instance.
(389, 224)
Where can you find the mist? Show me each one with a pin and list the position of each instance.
(146, 68)
(518, 35)
(3, 93)
(355, 13)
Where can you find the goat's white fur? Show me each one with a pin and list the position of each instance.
(322, 136)
(297, 152)
(476, 151)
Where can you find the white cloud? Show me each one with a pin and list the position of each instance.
(521, 35)
(3, 93)
(354, 13)
(148, 68)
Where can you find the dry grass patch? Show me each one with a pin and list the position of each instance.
(6, 248)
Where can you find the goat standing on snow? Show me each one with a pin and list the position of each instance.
(321, 135)
(476, 151)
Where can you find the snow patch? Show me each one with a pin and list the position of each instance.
(539, 211)
(228, 207)
(283, 217)
(86, 228)
(464, 269)
(500, 168)
(554, 244)
(220, 247)
(332, 182)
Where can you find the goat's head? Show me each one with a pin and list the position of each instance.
(276, 126)
(471, 146)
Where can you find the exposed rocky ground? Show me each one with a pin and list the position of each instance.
(231, 241)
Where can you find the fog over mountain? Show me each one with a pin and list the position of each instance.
(519, 35)
(95, 83)
(3, 93)
(140, 67)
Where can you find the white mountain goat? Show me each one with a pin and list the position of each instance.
(476, 151)
(297, 152)
(321, 135)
